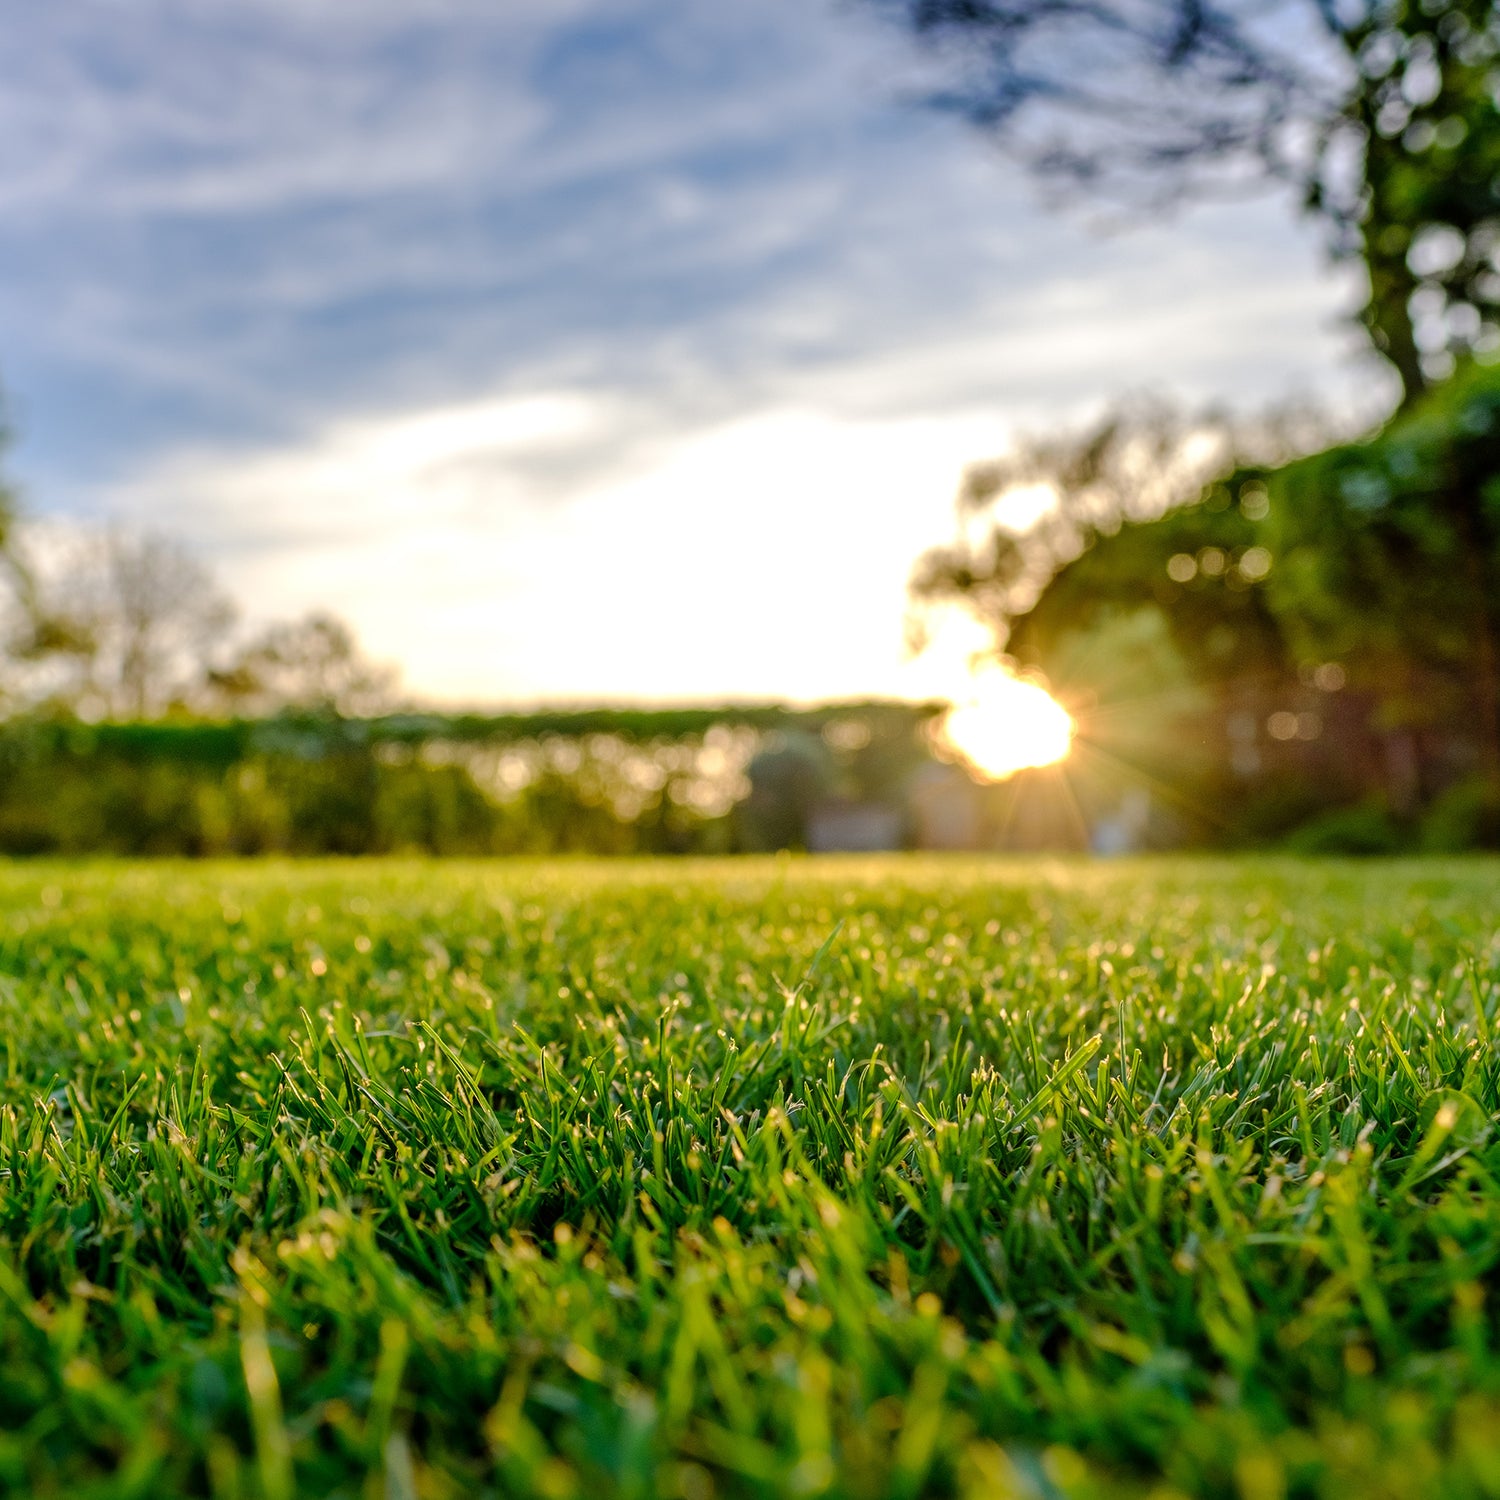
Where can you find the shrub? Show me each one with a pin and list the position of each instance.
(1465, 817)
(1364, 829)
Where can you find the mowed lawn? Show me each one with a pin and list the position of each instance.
(856, 1177)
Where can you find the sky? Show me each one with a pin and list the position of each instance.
(574, 350)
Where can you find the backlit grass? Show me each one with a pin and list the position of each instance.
(849, 1178)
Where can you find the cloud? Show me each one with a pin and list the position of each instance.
(765, 556)
(504, 318)
(359, 478)
(263, 212)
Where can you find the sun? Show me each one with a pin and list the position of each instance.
(1007, 724)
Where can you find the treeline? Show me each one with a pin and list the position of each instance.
(104, 623)
(600, 781)
(140, 715)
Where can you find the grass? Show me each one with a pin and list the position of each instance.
(865, 1178)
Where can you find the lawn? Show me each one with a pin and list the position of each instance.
(871, 1177)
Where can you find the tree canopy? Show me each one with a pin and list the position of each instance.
(1381, 115)
(1370, 571)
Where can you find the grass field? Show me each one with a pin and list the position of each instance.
(845, 1178)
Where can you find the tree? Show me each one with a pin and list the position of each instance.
(14, 582)
(1372, 565)
(311, 663)
(113, 623)
(121, 625)
(1137, 462)
(1380, 114)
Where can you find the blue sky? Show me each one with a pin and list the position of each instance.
(574, 349)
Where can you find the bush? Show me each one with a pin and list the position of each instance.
(1364, 829)
(1465, 817)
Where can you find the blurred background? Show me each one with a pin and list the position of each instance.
(827, 424)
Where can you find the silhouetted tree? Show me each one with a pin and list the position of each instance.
(311, 663)
(1380, 114)
(1378, 558)
(1136, 462)
(116, 623)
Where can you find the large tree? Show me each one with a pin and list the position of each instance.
(1380, 114)
(1378, 558)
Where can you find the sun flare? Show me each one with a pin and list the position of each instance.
(1007, 724)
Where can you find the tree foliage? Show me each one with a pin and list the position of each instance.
(114, 623)
(312, 663)
(1376, 562)
(126, 625)
(1135, 463)
(1380, 114)
(609, 781)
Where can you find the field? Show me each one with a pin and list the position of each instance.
(864, 1178)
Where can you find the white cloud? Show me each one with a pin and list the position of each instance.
(762, 557)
